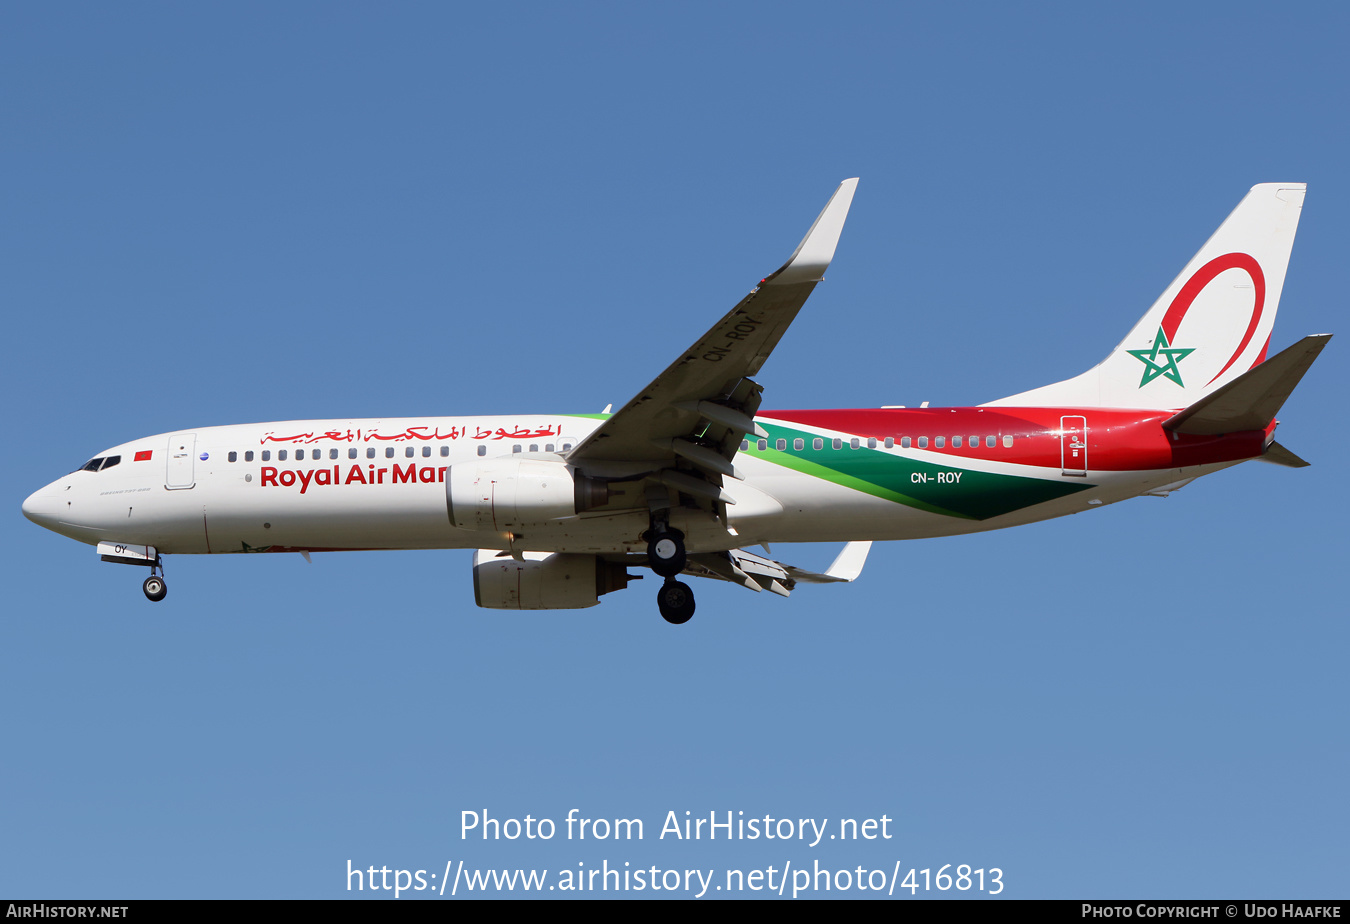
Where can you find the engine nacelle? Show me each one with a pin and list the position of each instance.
(543, 581)
(502, 494)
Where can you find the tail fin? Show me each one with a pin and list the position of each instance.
(1208, 327)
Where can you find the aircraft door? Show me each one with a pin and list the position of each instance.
(1073, 446)
(182, 447)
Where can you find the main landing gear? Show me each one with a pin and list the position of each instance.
(666, 556)
(675, 601)
(665, 551)
(154, 586)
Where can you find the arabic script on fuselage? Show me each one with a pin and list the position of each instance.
(408, 434)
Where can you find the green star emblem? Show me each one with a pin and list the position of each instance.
(1168, 367)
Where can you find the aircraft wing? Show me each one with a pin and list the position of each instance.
(697, 411)
(758, 573)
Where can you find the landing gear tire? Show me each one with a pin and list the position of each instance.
(676, 602)
(155, 588)
(665, 553)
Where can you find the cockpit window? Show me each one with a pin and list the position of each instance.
(101, 462)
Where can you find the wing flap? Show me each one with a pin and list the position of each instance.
(759, 573)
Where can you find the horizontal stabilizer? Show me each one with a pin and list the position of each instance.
(1251, 401)
(1278, 455)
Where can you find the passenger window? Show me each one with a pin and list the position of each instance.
(516, 448)
(923, 442)
(854, 443)
(351, 453)
(871, 442)
(534, 447)
(370, 452)
(799, 444)
(1007, 442)
(482, 450)
(548, 447)
(745, 445)
(445, 451)
(426, 452)
(817, 443)
(248, 456)
(956, 442)
(939, 442)
(904, 442)
(111, 461)
(837, 443)
(566, 447)
(281, 455)
(267, 455)
(974, 442)
(408, 452)
(233, 457)
(890, 442)
(780, 445)
(989, 441)
(299, 455)
(389, 452)
(333, 453)
(762, 445)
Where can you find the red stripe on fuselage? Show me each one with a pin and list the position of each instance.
(1118, 440)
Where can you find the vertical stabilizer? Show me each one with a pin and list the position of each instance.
(1209, 326)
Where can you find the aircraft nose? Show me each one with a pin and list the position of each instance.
(42, 507)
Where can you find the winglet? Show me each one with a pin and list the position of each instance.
(813, 255)
(850, 562)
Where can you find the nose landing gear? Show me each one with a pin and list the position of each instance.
(154, 586)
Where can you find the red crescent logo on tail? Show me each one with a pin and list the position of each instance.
(1203, 277)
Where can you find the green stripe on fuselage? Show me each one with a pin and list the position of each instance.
(943, 489)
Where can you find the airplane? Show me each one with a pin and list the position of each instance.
(691, 472)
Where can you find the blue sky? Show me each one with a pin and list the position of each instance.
(233, 213)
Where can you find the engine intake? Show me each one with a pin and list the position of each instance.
(543, 580)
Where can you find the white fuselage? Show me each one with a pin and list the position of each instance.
(323, 485)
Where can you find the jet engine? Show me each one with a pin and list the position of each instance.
(543, 580)
(502, 494)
